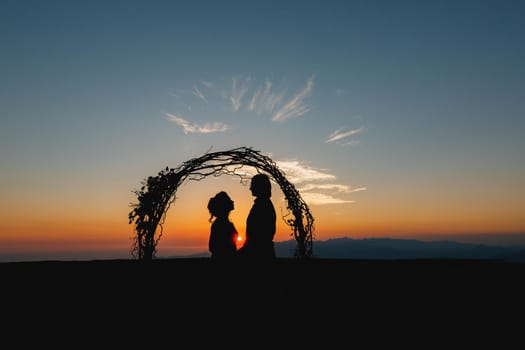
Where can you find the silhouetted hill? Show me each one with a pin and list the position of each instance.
(389, 248)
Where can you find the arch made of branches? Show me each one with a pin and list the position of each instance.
(159, 192)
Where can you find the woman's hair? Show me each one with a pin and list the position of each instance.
(261, 185)
(220, 204)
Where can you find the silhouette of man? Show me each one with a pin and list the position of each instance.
(260, 223)
(223, 234)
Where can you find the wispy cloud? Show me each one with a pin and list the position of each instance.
(191, 128)
(335, 187)
(297, 172)
(314, 198)
(199, 94)
(295, 107)
(243, 94)
(316, 186)
(340, 134)
(239, 89)
(264, 100)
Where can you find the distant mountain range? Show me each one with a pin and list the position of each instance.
(390, 248)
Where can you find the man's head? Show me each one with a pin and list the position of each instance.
(261, 186)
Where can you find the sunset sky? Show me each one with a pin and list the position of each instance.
(391, 118)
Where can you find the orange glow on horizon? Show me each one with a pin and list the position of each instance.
(56, 226)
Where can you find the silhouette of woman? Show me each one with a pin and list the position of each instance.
(260, 224)
(223, 234)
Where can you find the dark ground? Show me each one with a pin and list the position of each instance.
(290, 295)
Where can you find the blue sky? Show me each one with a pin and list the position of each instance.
(408, 113)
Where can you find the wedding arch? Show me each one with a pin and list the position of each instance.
(158, 193)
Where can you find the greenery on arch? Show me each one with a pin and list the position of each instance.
(159, 192)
